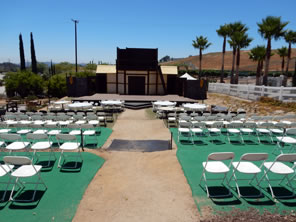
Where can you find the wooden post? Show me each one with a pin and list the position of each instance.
(281, 93)
(156, 82)
(124, 76)
(116, 80)
(148, 80)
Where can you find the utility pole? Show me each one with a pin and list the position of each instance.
(75, 21)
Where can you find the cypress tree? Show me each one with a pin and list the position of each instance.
(33, 56)
(22, 54)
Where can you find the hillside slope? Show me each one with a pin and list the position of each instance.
(213, 61)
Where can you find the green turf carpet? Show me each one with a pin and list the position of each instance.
(60, 201)
(191, 158)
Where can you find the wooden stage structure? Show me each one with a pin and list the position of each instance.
(134, 101)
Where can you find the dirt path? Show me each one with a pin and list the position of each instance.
(135, 186)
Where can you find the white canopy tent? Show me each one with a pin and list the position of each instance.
(187, 76)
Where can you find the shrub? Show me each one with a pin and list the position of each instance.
(57, 86)
(23, 83)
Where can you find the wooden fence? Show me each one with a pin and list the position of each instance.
(253, 92)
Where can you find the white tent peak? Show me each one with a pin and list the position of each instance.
(187, 76)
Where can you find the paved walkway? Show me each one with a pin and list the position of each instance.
(135, 186)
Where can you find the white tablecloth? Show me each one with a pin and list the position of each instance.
(61, 102)
(164, 103)
(111, 102)
(195, 106)
(76, 106)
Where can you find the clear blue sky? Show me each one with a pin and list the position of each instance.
(168, 25)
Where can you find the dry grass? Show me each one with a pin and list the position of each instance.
(251, 215)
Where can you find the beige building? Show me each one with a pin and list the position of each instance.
(160, 81)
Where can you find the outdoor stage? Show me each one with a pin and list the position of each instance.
(134, 100)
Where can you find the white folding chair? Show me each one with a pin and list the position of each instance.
(246, 166)
(249, 130)
(263, 131)
(23, 129)
(233, 131)
(215, 130)
(198, 130)
(68, 142)
(88, 130)
(40, 142)
(3, 128)
(4, 170)
(278, 129)
(215, 165)
(285, 141)
(184, 131)
(25, 170)
(53, 129)
(291, 132)
(279, 168)
(38, 129)
(14, 142)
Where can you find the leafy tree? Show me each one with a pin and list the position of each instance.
(33, 55)
(90, 67)
(270, 28)
(57, 86)
(165, 59)
(23, 83)
(201, 43)
(258, 54)
(282, 52)
(64, 67)
(22, 53)
(290, 38)
(223, 31)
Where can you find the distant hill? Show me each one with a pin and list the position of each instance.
(8, 67)
(212, 61)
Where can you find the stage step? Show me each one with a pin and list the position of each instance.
(137, 105)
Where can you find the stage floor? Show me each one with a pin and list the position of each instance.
(135, 98)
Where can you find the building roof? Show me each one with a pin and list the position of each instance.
(166, 70)
(106, 69)
(169, 70)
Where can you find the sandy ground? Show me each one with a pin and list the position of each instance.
(135, 186)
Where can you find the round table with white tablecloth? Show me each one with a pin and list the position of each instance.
(111, 102)
(62, 103)
(195, 106)
(79, 106)
(164, 103)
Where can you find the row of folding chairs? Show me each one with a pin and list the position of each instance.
(61, 120)
(19, 167)
(41, 141)
(250, 165)
(235, 130)
(40, 116)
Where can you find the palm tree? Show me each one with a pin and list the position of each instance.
(236, 27)
(241, 40)
(223, 31)
(201, 43)
(258, 54)
(290, 38)
(271, 28)
(282, 52)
